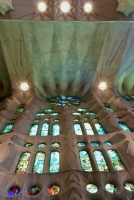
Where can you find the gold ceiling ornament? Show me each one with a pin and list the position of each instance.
(5, 6)
(125, 6)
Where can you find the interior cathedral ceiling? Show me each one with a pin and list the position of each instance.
(66, 58)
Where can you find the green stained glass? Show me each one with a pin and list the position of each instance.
(85, 118)
(82, 109)
(109, 109)
(90, 113)
(115, 160)
(129, 186)
(48, 110)
(124, 126)
(54, 114)
(28, 145)
(88, 129)
(111, 188)
(75, 120)
(55, 144)
(20, 110)
(91, 188)
(54, 162)
(101, 161)
(56, 120)
(23, 163)
(44, 129)
(35, 120)
(40, 114)
(85, 161)
(96, 119)
(76, 113)
(96, 144)
(46, 119)
(39, 163)
(77, 129)
(7, 129)
(41, 145)
(99, 129)
(81, 144)
(33, 130)
(55, 129)
(108, 143)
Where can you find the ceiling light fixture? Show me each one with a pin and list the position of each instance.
(42, 6)
(24, 86)
(102, 86)
(65, 7)
(88, 7)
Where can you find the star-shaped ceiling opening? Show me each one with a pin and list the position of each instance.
(125, 6)
(5, 6)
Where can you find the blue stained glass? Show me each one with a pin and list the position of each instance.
(44, 129)
(41, 145)
(13, 191)
(77, 129)
(81, 144)
(33, 130)
(108, 143)
(99, 129)
(124, 126)
(39, 163)
(94, 144)
(85, 161)
(7, 129)
(55, 129)
(101, 161)
(54, 162)
(88, 129)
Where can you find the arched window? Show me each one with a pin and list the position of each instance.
(23, 163)
(100, 161)
(85, 161)
(7, 129)
(77, 129)
(44, 129)
(55, 129)
(109, 109)
(124, 126)
(88, 129)
(33, 130)
(99, 128)
(39, 163)
(115, 160)
(54, 162)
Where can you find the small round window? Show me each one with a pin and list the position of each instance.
(111, 188)
(32, 191)
(13, 191)
(129, 186)
(53, 189)
(91, 188)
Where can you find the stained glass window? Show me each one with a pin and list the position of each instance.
(44, 129)
(41, 145)
(7, 129)
(32, 191)
(129, 186)
(82, 109)
(85, 118)
(54, 162)
(111, 188)
(100, 161)
(85, 161)
(56, 120)
(55, 144)
(28, 145)
(77, 129)
(39, 163)
(124, 126)
(40, 114)
(90, 113)
(64, 100)
(115, 160)
(75, 120)
(99, 128)
(13, 191)
(35, 120)
(23, 163)
(108, 143)
(33, 130)
(94, 144)
(55, 129)
(54, 114)
(81, 144)
(109, 109)
(49, 110)
(91, 188)
(46, 119)
(76, 113)
(53, 189)
(20, 110)
(88, 129)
